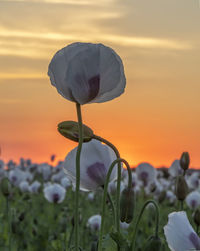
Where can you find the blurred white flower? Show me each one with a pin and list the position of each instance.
(16, 176)
(112, 186)
(124, 225)
(46, 170)
(170, 196)
(65, 182)
(146, 173)
(193, 200)
(87, 73)
(24, 186)
(193, 180)
(34, 187)
(179, 233)
(91, 196)
(94, 222)
(58, 176)
(95, 161)
(175, 168)
(54, 193)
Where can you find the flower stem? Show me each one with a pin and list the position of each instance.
(78, 155)
(138, 221)
(104, 199)
(117, 218)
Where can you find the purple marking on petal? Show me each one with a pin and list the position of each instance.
(97, 173)
(94, 84)
(14, 178)
(144, 177)
(193, 203)
(194, 238)
(56, 197)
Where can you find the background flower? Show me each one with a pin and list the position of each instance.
(95, 161)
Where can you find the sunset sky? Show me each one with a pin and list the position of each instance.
(158, 116)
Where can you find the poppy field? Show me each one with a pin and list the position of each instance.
(37, 209)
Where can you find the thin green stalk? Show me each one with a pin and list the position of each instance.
(104, 199)
(138, 221)
(181, 205)
(117, 218)
(9, 222)
(197, 229)
(70, 237)
(112, 205)
(78, 154)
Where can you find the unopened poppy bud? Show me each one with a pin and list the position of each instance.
(181, 190)
(70, 130)
(127, 205)
(185, 161)
(153, 244)
(162, 196)
(197, 217)
(5, 187)
(21, 216)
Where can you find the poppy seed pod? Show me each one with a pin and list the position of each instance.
(87, 73)
(5, 187)
(185, 161)
(127, 200)
(70, 130)
(181, 190)
(153, 244)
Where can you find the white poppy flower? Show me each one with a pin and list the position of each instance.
(146, 173)
(87, 73)
(193, 180)
(179, 233)
(170, 196)
(54, 193)
(91, 196)
(124, 225)
(34, 187)
(193, 200)
(24, 186)
(94, 222)
(175, 168)
(95, 161)
(65, 182)
(16, 176)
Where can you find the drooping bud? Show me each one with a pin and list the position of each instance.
(5, 187)
(196, 217)
(70, 130)
(127, 200)
(181, 190)
(185, 161)
(153, 244)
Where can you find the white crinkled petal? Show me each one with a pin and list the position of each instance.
(177, 232)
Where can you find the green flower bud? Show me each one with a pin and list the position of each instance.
(196, 217)
(153, 244)
(181, 190)
(127, 205)
(185, 161)
(5, 187)
(69, 129)
(162, 196)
